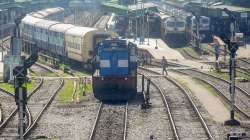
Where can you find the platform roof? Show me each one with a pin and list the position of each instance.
(139, 6)
(231, 8)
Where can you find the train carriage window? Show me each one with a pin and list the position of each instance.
(170, 24)
(204, 20)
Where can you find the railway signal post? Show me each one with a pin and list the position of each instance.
(20, 73)
(232, 47)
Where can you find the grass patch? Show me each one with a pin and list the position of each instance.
(225, 75)
(31, 73)
(215, 93)
(50, 74)
(65, 95)
(82, 73)
(10, 88)
(206, 86)
(61, 72)
(82, 91)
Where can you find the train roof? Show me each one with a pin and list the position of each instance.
(164, 15)
(46, 23)
(46, 12)
(80, 31)
(61, 27)
(30, 20)
(37, 15)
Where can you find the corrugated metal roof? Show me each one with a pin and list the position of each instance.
(46, 23)
(231, 8)
(79, 31)
(61, 27)
(139, 6)
(30, 20)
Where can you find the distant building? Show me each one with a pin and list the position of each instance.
(5, 1)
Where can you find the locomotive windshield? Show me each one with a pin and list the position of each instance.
(204, 20)
(170, 24)
(180, 24)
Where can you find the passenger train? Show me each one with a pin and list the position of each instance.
(177, 29)
(65, 41)
(204, 26)
(56, 14)
(115, 77)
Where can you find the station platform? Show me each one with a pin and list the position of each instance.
(162, 50)
(170, 54)
(244, 52)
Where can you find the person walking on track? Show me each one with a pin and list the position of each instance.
(164, 64)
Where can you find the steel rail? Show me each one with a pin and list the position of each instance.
(174, 128)
(125, 122)
(43, 110)
(1, 114)
(13, 113)
(220, 93)
(202, 121)
(96, 121)
(93, 132)
(218, 78)
(228, 82)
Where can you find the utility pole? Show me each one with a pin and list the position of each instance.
(135, 20)
(148, 25)
(20, 78)
(197, 20)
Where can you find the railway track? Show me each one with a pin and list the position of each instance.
(40, 102)
(110, 123)
(7, 105)
(244, 65)
(242, 103)
(8, 129)
(185, 118)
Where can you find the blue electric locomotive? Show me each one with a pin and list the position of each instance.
(115, 73)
